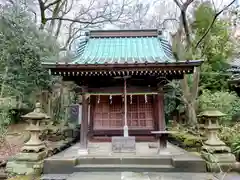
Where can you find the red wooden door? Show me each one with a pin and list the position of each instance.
(140, 112)
(108, 113)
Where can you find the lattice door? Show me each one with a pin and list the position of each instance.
(108, 113)
(140, 112)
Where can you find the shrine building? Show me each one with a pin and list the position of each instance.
(122, 74)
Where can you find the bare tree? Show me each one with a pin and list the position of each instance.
(138, 17)
(74, 16)
(65, 19)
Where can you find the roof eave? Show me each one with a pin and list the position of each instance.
(193, 63)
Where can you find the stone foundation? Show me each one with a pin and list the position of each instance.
(26, 163)
(219, 162)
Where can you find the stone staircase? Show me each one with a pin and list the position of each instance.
(101, 159)
(59, 169)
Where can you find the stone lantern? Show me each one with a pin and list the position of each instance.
(34, 118)
(215, 151)
(30, 159)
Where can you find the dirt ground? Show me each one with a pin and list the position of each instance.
(14, 140)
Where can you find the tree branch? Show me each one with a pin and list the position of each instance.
(80, 21)
(183, 7)
(168, 19)
(11, 1)
(42, 13)
(178, 3)
(212, 23)
(52, 3)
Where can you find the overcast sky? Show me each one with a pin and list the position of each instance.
(163, 8)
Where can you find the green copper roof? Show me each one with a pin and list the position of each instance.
(100, 50)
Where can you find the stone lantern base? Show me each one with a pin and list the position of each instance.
(30, 159)
(26, 163)
(217, 155)
(218, 158)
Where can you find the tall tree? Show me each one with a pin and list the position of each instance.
(216, 48)
(23, 48)
(184, 33)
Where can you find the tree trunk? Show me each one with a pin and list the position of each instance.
(190, 95)
(191, 114)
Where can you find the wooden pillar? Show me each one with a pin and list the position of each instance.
(161, 114)
(161, 120)
(84, 123)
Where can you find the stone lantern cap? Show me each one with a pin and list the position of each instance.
(37, 113)
(211, 113)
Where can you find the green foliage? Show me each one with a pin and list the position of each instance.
(4, 122)
(231, 136)
(23, 48)
(215, 49)
(171, 98)
(236, 147)
(226, 102)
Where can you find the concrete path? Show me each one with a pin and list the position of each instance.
(150, 176)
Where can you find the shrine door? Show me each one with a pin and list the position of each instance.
(140, 112)
(109, 113)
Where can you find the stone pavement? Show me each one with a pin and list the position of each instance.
(150, 176)
(104, 149)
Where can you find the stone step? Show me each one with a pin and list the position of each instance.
(59, 166)
(141, 176)
(164, 160)
(122, 167)
(188, 163)
(54, 177)
(68, 166)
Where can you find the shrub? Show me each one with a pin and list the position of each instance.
(226, 102)
(231, 136)
(186, 139)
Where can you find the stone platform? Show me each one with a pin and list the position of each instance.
(101, 159)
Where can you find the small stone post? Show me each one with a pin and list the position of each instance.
(215, 151)
(34, 151)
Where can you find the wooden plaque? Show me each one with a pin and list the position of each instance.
(122, 144)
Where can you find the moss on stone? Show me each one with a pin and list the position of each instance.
(191, 140)
(28, 177)
(187, 139)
